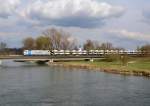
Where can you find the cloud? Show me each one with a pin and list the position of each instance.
(75, 8)
(79, 13)
(146, 14)
(8, 7)
(130, 35)
(76, 13)
(12, 35)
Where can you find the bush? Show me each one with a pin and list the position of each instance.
(111, 58)
(124, 60)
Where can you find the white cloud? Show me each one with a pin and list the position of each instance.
(55, 9)
(130, 35)
(78, 13)
(8, 7)
(71, 12)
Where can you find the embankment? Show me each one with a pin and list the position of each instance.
(123, 71)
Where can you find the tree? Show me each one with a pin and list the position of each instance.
(60, 39)
(54, 37)
(145, 48)
(124, 60)
(43, 43)
(89, 45)
(107, 46)
(138, 48)
(68, 42)
(3, 45)
(29, 43)
(97, 45)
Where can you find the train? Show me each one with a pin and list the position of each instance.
(78, 52)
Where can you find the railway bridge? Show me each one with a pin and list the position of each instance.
(51, 58)
(55, 58)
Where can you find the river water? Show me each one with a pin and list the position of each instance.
(28, 84)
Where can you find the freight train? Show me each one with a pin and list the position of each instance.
(78, 52)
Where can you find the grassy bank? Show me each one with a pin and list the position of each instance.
(134, 66)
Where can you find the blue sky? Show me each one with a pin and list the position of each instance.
(125, 23)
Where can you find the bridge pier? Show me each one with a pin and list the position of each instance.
(91, 60)
(51, 60)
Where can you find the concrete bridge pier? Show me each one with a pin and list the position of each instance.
(91, 60)
(51, 60)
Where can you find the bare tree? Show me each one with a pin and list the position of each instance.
(3, 45)
(59, 39)
(54, 37)
(3, 48)
(97, 45)
(67, 41)
(29, 43)
(107, 46)
(145, 48)
(88, 45)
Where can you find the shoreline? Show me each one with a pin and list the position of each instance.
(107, 70)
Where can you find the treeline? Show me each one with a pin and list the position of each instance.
(5, 50)
(145, 48)
(57, 39)
(51, 39)
(95, 45)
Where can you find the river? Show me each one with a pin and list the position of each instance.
(28, 84)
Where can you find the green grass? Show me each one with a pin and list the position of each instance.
(138, 64)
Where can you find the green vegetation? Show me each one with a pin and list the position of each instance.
(135, 66)
(50, 39)
(3, 48)
(145, 48)
(132, 64)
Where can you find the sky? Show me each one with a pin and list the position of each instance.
(125, 23)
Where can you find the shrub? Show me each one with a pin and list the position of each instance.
(112, 57)
(124, 60)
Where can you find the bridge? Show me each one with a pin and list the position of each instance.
(54, 58)
(51, 58)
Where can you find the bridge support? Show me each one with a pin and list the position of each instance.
(91, 60)
(51, 60)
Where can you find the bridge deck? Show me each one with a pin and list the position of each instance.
(21, 57)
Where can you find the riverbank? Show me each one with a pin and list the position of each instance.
(136, 66)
